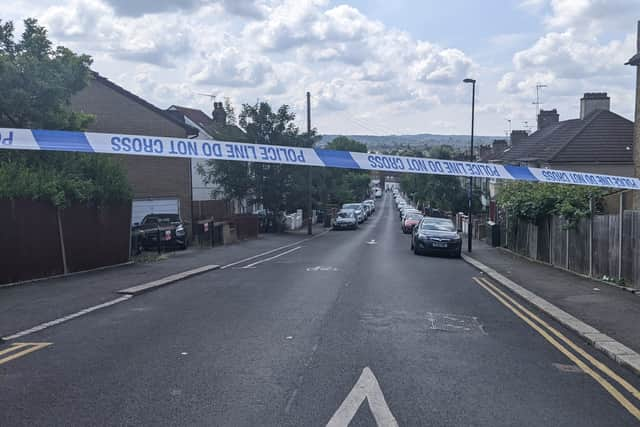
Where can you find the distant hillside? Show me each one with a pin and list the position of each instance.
(424, 139)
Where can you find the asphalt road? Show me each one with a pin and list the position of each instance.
(281, 340)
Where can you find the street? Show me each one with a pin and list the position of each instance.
(282, 339)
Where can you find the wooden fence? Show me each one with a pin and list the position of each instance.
(37, 240)
(599, 247)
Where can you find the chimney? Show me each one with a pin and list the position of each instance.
(592, 101)
(219, 115)
(517, 136)
(548, 118)
(485, 152)
(499, 145)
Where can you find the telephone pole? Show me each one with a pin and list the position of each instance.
(309, 171)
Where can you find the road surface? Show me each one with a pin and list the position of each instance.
(349, 327)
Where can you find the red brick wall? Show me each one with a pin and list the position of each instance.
(149, 176)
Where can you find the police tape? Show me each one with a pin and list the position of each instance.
(89, 142)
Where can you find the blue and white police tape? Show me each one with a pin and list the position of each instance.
(88, 142)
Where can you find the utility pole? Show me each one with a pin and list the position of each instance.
(471, 159)
(309, 171)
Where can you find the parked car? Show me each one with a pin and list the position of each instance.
(359, 211)
(367, 210)
(345, 219)
(410, 220)
(372, 205)
(436, 235)
(378, 193)
(159, 230)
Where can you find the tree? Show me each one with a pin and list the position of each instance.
(534, 201)
(448, 193)
(36, 83)
(344, 185)
(276, 187)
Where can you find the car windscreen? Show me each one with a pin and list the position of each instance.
(414, 217)
(167, 218)
(351, 206)
(438, 226)
(345, 214)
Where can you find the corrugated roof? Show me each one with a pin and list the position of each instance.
(602, 137)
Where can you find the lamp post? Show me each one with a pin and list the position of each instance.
(470, 195)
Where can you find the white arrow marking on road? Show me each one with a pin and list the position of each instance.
(366, 387)
(372, 242)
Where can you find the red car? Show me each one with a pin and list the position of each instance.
(410, 221)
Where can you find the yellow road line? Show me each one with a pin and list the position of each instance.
(32, 346)
(633, 410)
(13, 347)
(595, 362)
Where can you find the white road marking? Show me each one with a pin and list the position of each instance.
(252, 265)
(46, 325)
(366, 387)
(372, 242)
(273, 250)
(322, 268)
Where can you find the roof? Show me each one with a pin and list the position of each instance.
(220, 132)
(197, 116)
(634, 60)
(191, 131)
(602, 137)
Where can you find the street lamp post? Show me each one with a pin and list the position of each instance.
(470, 195)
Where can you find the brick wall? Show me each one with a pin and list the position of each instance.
(150, 177)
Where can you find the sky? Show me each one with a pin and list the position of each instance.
(372, 66)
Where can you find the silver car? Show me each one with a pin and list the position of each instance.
(359, 210)
(345, 220)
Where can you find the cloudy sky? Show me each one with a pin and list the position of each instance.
(372, 66)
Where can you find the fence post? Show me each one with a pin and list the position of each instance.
(591, 237)
(620, 224)
(63, 250)
(566, 261)
(550, 223)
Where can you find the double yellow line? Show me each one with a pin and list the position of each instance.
(548, 332)
(20, 349)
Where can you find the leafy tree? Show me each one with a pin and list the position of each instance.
(277, 187)
(36, 83)
(448, 193)
(344, 185)
(535, 201)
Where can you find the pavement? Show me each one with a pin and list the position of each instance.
(609, 309)
(349, 328)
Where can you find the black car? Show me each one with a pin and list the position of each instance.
(159, 231)
(436, 235)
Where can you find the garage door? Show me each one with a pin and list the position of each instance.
(140, 208)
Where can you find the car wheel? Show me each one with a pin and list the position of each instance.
(411, 244)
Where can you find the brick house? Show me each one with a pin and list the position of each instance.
(159, 184)
(214, 127)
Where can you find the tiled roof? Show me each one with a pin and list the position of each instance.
(191, 131)
(602, 137)
(196, 116)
